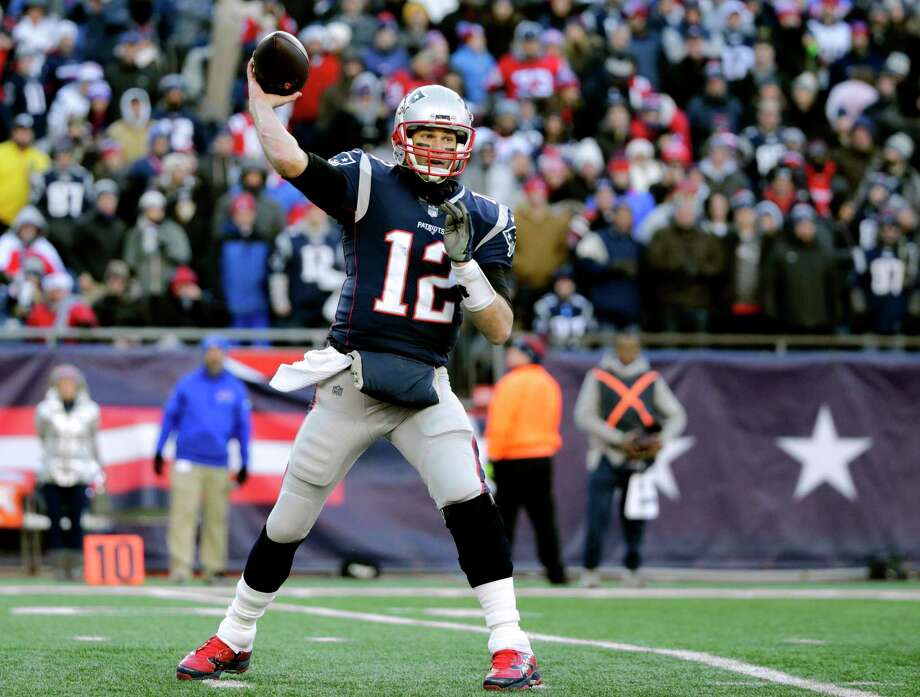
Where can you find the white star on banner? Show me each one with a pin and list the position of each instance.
(825, 456)
(661, 473)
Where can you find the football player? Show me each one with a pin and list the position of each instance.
(418, 247)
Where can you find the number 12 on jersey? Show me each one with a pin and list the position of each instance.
(392, 299)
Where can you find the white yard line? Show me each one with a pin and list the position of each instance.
(728, 664)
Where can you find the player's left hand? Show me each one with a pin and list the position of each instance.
(458, 232)
(241, 476)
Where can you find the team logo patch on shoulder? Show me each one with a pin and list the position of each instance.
(343, 158)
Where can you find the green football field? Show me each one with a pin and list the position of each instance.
(423, 637)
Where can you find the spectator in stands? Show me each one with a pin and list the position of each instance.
(186, 132)
(19, 161)
(120, 305)
(142, 172)
(187, 205)
(154, 248)
(563, 315)
(207, 409)
(746, 250)
(386, 55)
(306, 269)
(62, 194)
(474, 63)
(100, 233)
(522, 430)
(190, 305)
(36, 29)
(714, 110)
(895, 162)
(855, 152)
(629, 414)
(325, 71)
(26, 240)
(686, 262)
(23, 92)
(362, 24)
(720, 168)
(801, 286)
(607, 262)
(541, 247)
(885, 279)
(137, 65)
(132, 130)
(59, 308)
(269, 216)
(244, 266)
(67, 425)
(364, 120)
(73, 99)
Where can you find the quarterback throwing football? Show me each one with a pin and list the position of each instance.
(418, 247)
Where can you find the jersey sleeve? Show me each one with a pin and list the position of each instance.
(494, 234)
(333, 184)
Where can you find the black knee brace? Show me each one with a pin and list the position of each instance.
(269, 563)
(482, 545)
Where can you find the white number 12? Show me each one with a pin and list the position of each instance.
(391, 300)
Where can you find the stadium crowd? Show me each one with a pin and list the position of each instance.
(676, 165)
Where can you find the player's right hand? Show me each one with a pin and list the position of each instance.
(257, 93)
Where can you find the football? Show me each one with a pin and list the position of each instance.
(280, 63)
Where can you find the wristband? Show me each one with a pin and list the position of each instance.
(477, 292)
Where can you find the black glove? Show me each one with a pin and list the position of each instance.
(458, 231)
(158, 464)
(242, 475)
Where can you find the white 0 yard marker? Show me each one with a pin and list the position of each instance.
(59, 611)
(89, 637)
(453, 612)
(226, 684)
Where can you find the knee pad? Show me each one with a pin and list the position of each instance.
(269, 563)
(482, 545)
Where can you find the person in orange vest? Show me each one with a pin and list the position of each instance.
(629, 413)
(522, 431)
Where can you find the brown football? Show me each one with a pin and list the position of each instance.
(280, 63)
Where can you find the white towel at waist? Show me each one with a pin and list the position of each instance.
(315, 367)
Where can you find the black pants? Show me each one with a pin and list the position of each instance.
(602, 484)
(529, 483)
(65, 502)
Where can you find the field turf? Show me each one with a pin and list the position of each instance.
(404, 638)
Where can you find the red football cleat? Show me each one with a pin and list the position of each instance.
(512, 670)
(211, 659)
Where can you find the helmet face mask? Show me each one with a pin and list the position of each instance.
(433, 107)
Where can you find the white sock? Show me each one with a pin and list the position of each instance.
(500, 609)
(238, 629)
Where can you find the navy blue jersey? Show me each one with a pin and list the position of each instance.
(312, 266)
(887, 275)
(63, 193)
(399, 295)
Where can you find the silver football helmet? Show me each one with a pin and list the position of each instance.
(433, 106)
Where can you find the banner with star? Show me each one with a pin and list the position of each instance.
(787, 461)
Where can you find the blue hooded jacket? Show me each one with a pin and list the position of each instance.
(207, 411)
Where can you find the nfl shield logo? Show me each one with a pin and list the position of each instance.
(433, 211)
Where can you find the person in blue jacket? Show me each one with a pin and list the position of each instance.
(207, 409)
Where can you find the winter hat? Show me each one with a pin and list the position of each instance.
(902, 144)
